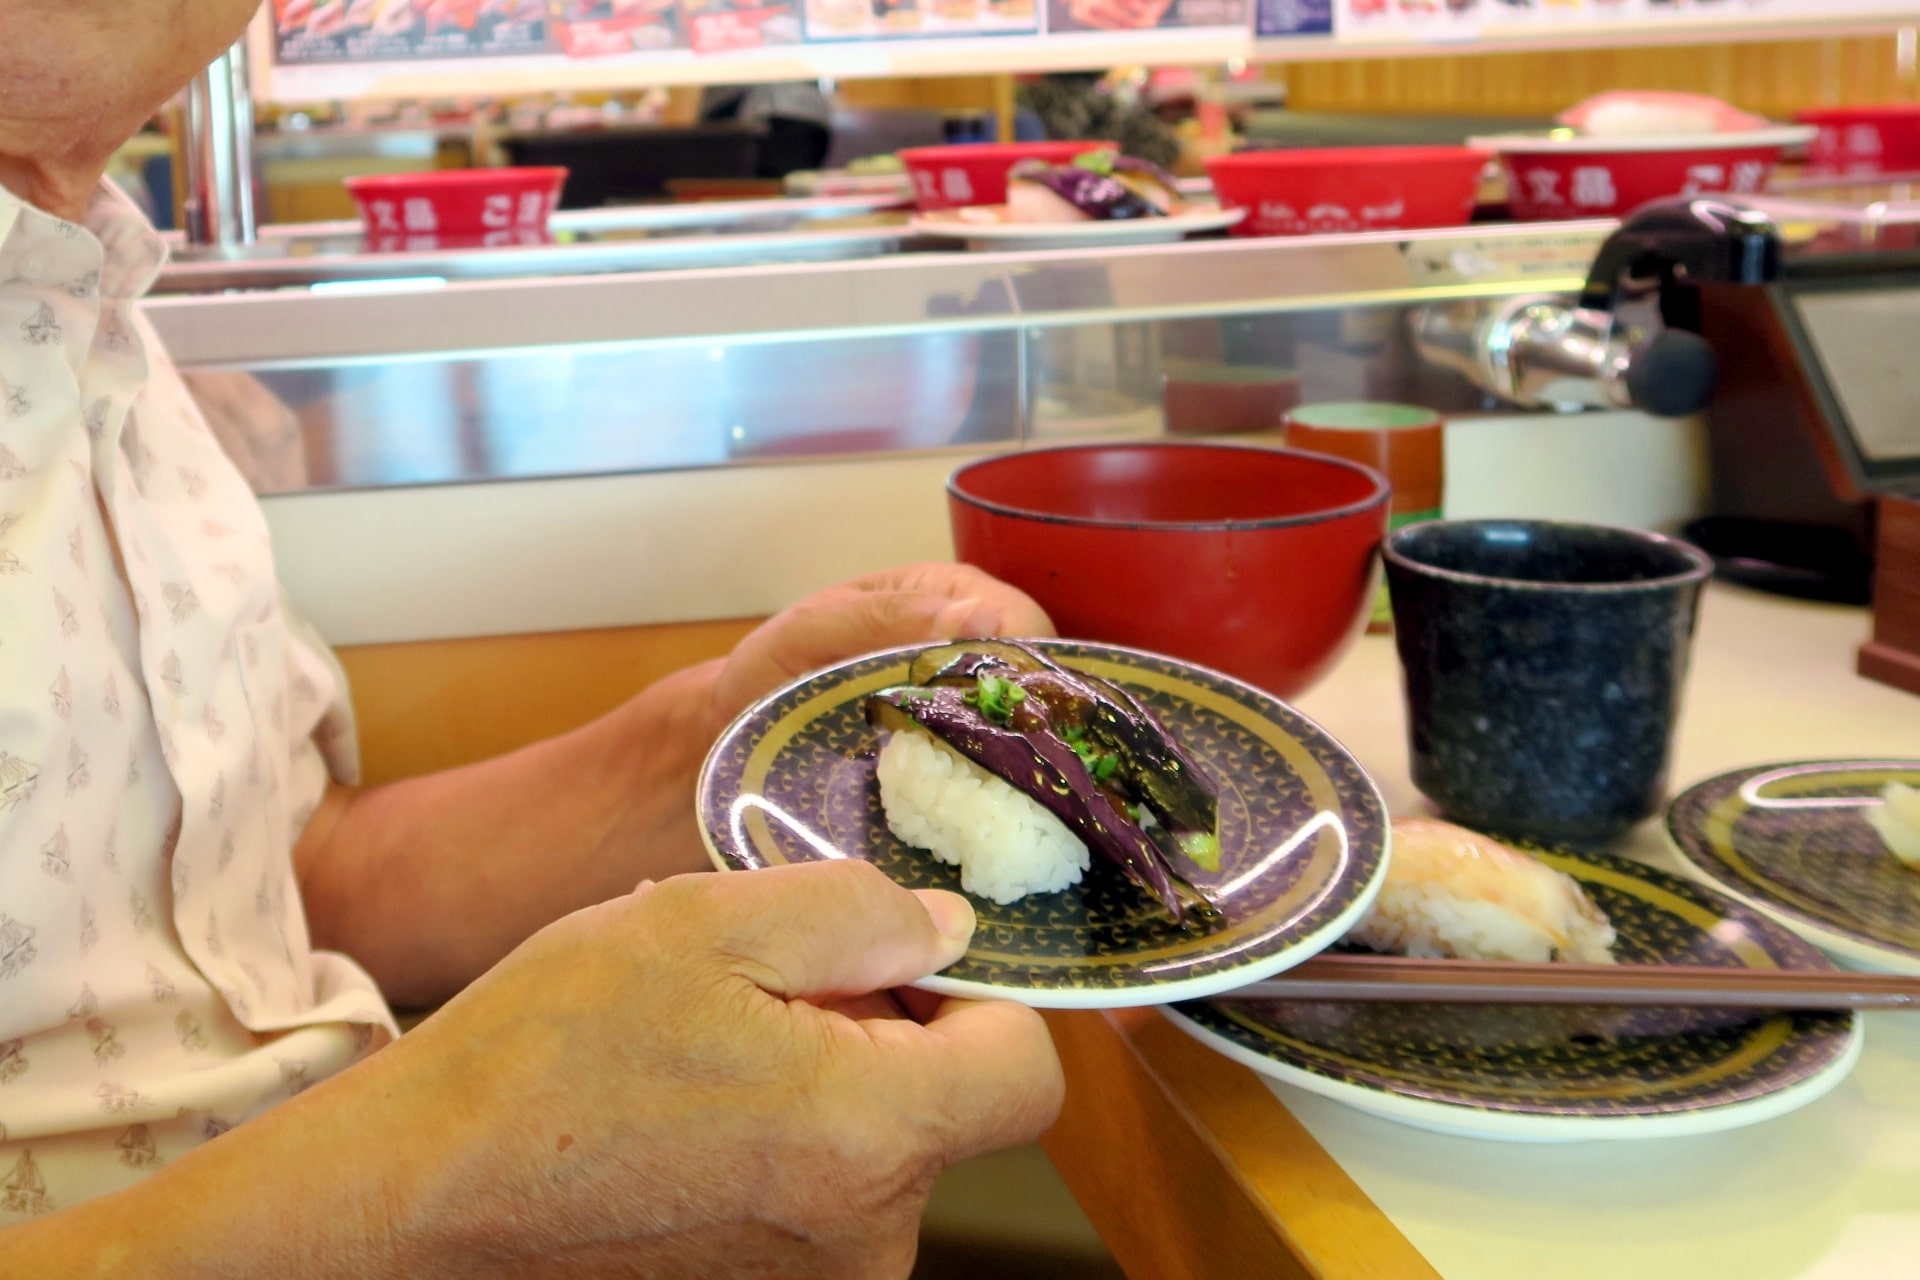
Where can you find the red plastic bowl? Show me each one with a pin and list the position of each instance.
(1609, 177)
(969, 173)
(1256, 562)
(1292, 193)
(458, 202)
(1864, 140)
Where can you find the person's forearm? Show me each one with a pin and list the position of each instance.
(329, 1184)
(430, 881)
(420, 1163)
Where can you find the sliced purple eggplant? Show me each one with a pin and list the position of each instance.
(957, 663)
(1099, 719)
(1169, 780)
(1084, 749)
(1098, 196)
(1147, 180)
(1039, 763)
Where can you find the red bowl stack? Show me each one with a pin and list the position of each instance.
(1292, 193)
(1256, 562)
(975, 173)
(1864, 141)
(458, 206)
(1555, 177)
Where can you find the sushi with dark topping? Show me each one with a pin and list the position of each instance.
(1099, 186)
(1018, 769)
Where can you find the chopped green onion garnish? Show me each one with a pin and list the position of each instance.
(996, 697)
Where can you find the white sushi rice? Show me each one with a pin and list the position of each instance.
(1005, 844)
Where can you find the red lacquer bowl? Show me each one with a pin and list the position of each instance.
(1554, 178)
(497, 203)
(1257, 562)
(1295, 193)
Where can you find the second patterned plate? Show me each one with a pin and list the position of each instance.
(1793, 841)
(1567, 1073)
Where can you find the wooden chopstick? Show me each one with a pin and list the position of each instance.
(1366, 977)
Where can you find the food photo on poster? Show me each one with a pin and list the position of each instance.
(1463, 18)
(601, 28)
(399, 30)
(1144, 15)
(729, 26)
(844, 20)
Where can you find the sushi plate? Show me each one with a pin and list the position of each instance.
(1303, 835)
(1792, 840)
(989, 227)
(1566, 1073)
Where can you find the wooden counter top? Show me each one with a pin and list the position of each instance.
(1193, 1166)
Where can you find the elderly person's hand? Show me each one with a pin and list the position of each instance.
(652, 1086)
(701, 1079)
(908, 605)
(579, 819)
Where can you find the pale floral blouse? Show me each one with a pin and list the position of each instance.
(166, 730)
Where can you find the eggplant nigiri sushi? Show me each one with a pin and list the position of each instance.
(1017, 769)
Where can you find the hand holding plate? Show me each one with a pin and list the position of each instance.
(653, 1086)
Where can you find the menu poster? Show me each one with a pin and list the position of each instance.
(605, 28)
(1462, 19)
(1145, 15)
(837, 20)
(1293, 17)
(309, 31)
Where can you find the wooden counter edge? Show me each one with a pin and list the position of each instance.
(1188, 1166)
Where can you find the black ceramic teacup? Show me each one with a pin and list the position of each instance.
(1543, 667)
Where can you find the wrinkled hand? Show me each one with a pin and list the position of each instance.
(907, 605)
(700, 1080)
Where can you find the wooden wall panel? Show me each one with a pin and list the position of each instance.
(436, 704)
(933, 93)
(1772, 77)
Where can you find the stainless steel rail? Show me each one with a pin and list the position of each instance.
(219, 152)
(740, 286)
(584, 242)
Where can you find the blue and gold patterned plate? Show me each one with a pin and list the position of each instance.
(1792, 840)
(1566, 1073)
(1302, 833)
